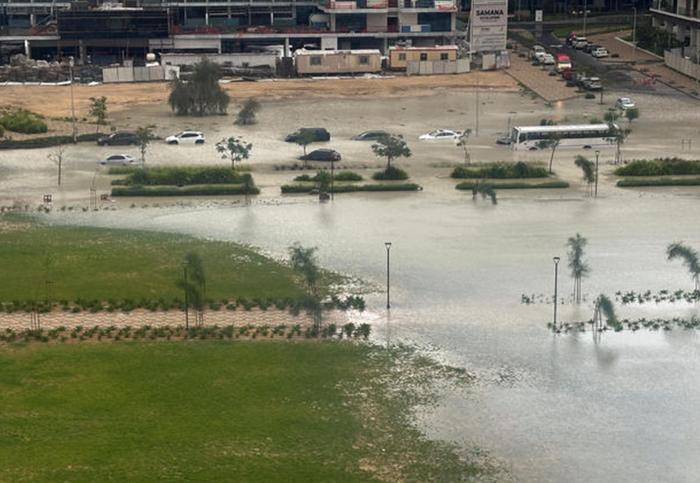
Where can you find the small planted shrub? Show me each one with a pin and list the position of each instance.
(501, 170)
(660, 167)
(391, 173)
(23, 121)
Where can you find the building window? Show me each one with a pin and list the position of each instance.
(444, 56)
(424, 56)
(316, 60)
(402, 56)
(364, 59)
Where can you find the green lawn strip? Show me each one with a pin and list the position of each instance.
(213, 411)
(351, 188)
(659, 181)
(514, 185)
(192, 190)
(104, 264)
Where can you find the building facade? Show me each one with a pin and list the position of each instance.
(103, 33)
(682, 19)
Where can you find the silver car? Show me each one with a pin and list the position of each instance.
(118, 160)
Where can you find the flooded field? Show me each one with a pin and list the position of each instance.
(553, 408)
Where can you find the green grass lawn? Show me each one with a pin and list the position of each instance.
(210, 411)
(103, 264)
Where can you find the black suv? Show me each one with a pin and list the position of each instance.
(315, 133)
(121, 138)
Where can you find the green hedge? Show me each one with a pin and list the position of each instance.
(297, 188)
(22, 121)
(203, 190)
(501, 170)
(178, 176)
(468, 185)
(661, 181)
(393, 173)
(341, 176)
(47, 142)
(659, 167)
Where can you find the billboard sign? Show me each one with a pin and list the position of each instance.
(488, 25)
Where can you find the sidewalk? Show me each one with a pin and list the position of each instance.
(549, 88)
(646, 63)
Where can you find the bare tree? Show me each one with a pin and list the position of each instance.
(57, 158)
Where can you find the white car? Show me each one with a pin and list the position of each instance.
(441, 134)
(625, 103)
(118, 160)
(600, 52)
(548, 59)
(186, 137)
(579, 43)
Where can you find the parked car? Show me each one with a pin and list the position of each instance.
(537, 53)
(370, 136)
(322, 155)
(593, 84)
(600, 52)
(569, 74)
(548, 59)
(563, 62)
(625, 103)
(579, 43)
(317, 133)
(590, 48)
(118, 160)
(441, 134)
(186, 137)
(119, 138)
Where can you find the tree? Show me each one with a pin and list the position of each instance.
(551, 143)
(303, 261)
(604, 307)
(248, 185)
(98, 110)
(305, 138)
(144, 136)
(323, 179)
(201, 95)
(617, 136)
(485, 190)
(391, 147)
(246, 116)
(632, 114)
(463, 143)
(193, 284)
(579, 267)
(588, 168)
(690, 259)
(57, 158)
(234, 149)
(611, 115)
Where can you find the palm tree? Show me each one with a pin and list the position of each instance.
(588, 168)
(463, 142)
(579, 268)
(304, 262)
(485, 190)
(551, 143)
(605, 308)
(690, 259)
(195, 284)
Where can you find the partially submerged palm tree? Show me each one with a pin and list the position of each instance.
(690, 259)
(485, 190)
(579, 268)
(194, 284)
(304, 263)
(604, 308)
(588, 168)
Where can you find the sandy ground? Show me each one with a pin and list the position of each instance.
(139, 318)
(54, 101)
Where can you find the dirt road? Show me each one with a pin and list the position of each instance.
(54, 101)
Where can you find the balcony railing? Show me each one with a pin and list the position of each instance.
(446, 5)
(355, 4)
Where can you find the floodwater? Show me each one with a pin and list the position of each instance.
(554, 408)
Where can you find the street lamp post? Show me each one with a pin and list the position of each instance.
(597, 154)
(634, 35)
(556, 276)
(187, 299)
(332, 178)
(71, 62)
(388, 279)
(585, 16)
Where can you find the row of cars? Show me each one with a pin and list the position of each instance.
(563, 65)
(581, 43)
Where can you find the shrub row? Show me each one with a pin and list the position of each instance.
(297, 188)
(179, 176)
(501, 170)
(201, 190)
(659, 167)
(468, 185)
(203, 332)
(47, 142)
(341, 176)
(22, 121)
(392, 173)
(162, 304)
(641, 182)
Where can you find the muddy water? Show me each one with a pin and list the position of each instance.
(555, 408)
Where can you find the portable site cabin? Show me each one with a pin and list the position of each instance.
(400, 57)
(311, 62)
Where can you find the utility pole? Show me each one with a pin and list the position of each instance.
(476, 108)
(388, 271)
(187, 300)
(585, 16)
(71, 62)
(332, 178)
(634, 35)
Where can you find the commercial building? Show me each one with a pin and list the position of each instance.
(682, 19)
(310, 62)
(102, 33)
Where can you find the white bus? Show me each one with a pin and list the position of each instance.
(576, 136)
